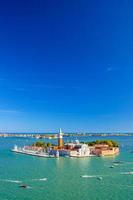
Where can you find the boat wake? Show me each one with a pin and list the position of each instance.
(40, 179)
(130, 163)
(88, 176)
(11, 181)
(126, 173)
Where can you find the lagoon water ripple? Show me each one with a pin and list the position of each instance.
(57, 179)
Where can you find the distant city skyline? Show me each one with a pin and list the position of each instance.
(66, 64)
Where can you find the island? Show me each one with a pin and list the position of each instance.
(70, 149)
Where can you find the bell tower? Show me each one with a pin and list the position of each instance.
(60, 139)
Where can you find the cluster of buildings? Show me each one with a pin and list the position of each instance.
(104, 150)
(77, 149)
(70, 149)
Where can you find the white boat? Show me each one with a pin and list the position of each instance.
(92, 176)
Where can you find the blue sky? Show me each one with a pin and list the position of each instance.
(66, 64)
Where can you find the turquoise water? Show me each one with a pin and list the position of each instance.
(63, 175)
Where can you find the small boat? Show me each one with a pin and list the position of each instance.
(111, 166)
(100, 178)
(23, 186)
(118, 162)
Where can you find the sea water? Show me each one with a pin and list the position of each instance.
(66, 178)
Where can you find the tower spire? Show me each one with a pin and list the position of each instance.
(60, 139)
(60, 131)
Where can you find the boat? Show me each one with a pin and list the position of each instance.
(118, 162)
(100, 178)
(23, 186)
(112, 166)
(93, 176)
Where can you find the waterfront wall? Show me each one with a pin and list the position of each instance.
(106, 152)
(110, 152)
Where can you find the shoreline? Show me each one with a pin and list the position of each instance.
(55, 135)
